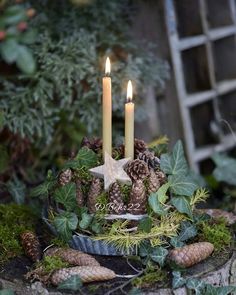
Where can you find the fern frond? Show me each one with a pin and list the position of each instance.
(200, 196)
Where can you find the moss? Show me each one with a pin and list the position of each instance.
(58, 242)
(14, 219)
(149, 278)
(216, 233)
(52, 263)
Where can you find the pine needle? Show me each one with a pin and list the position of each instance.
(160, 140)
(200, 195)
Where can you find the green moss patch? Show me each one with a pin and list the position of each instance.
(14, 219)
(216, 233)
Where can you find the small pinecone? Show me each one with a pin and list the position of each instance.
(72, 256)
(139, 147)
(150, 158)
(138, 198)
(86, 273)
(116, 199)
(94, 144)
(65, 176)
(216, 214)
(94, 192)
(191, 254)
(31, 245)
(161, 176)
(79, 193)
(153, 182)
(137, 169)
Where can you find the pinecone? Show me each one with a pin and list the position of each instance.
(31, 245)
(153, 182)
(79, 193)
(191, 254)
(138, 199)
(139, 147)
(94, 192)
(72, 256)
(116, 199)
(65, 176)
(137, 169)
(94, 144)
(86, 273)
(150, 158)
(161, 176)
(229, 217)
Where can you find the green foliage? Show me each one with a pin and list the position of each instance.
(175, 163)
(14, 48)
(145, 224)
(155, 205)
(182, 205)
(74, 283)
(14, 219)
(151, 276)
(216, 233)
(85, 221)
(188, 231)
(66, 195)
(17, 190)
(85, 159)
(52, 263)
(65, 223)
(225, 169)
(200, 287)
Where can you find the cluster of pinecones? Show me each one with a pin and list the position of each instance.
(144, 172)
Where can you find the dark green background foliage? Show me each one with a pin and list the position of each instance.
(61, 101)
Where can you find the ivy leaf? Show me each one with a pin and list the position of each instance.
(155, 204)
(225, 290)
(161, 193)
(177, 281)
(9, 50)
(42, 190)
(86, 220)
(175, 163)
(25, 60)
(176, 243)
(182, 205)
(158, 255)
(65, 223)
(86, 158)
(28, 37)
(182, 185)
(6, 292)
(188, 230)
(145, 249)
(196, 285)
(226, 169)
(73, 283)
(145, 224)
(66, 195)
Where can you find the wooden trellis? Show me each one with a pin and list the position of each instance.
(202, 38)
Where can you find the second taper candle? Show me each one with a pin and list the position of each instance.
(107, 111)
(129, 123)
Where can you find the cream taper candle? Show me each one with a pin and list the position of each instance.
(107, 110)
(129, 123)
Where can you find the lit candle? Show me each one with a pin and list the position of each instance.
(107, 110)
(129, 123)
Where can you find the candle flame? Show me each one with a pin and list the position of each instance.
(129, 91)
(108, 66)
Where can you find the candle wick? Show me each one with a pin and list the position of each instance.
(128, 100)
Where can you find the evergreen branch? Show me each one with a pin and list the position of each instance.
(200, 195)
